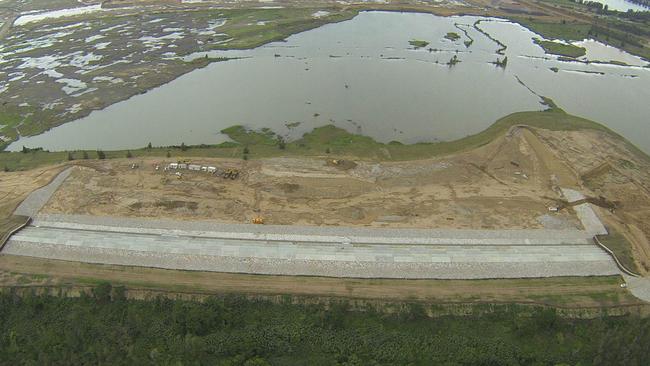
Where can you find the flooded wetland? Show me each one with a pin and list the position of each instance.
(368, 75)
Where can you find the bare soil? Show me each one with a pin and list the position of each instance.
(505, 184)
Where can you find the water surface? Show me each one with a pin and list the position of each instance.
(362, 75)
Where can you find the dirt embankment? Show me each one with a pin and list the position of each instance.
(505, 184)
(611, 172)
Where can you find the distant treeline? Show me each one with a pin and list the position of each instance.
(645, 3)
(605, 8)
(109, 329)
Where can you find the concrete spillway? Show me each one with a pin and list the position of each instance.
(315, 251)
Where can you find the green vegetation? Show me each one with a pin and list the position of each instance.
(9, 224)
(556, 30)
(613, 30)
(621, 247)
(265, 143)
(501, 63)
(279, 24)
(469, 40)
(418, 43)
(502, 46)
(556, 48)
(452, 36)
(107, 328)
(453, 61)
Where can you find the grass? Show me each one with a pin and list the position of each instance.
(621, 248)
(418, 43)
(264, 143)
(556, 48)
(452, 36)
(569, 292)
(556, 30)
(8, 224)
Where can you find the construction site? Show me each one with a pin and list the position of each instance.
(532, 203)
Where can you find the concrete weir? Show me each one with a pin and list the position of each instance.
(310, 250)
(313, 251)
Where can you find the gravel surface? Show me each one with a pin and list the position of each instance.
(37, 199)
(311, 267)
(337, 234)
(585, 213)
(638, 286)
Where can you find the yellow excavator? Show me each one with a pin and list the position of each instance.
(258, 220)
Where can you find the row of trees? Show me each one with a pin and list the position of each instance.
(107, 328)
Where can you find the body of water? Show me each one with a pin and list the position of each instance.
(623, 5)
(364, 76)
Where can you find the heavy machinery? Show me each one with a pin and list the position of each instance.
(231, 173)
(258, 220)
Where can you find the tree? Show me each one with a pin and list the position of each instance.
(327, 151)
(70, 157)
(101, 154)
(246, 151)
(128, 154)
(149, 146)
(183, 147)
(281, 143)
(25, 149)
(85, 155)
(245, 157)
(169, 155)
(6, 168)
(102, 293)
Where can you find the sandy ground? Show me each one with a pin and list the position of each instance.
(502, 185)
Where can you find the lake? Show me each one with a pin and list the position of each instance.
(364, 76)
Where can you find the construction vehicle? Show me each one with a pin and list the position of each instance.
(179, 175)
(231, 173)
(258, 220)
(334, 162)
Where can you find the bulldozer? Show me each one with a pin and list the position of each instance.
(231, 173)
(258, 220)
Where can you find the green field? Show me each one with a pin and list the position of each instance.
(561, 49)
(106, 328)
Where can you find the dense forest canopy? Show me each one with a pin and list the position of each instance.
(108, 329)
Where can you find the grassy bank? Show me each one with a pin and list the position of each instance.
(108, 328)
(325, 140)
(621, 248)
(561, 292)
(561, 49)
(9, 225)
